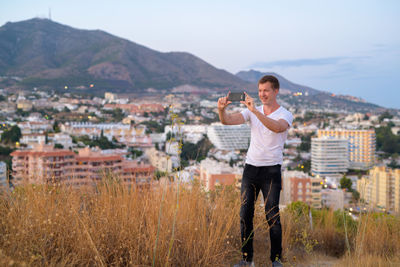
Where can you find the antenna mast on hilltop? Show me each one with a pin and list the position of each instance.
(49, 13)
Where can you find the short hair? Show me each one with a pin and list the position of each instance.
(272, 79)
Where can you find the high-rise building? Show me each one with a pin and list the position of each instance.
(229, 137)
(396, 193)
(362, 145)
(329, 156)
(381, 188)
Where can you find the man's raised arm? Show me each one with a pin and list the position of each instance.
(225, 118)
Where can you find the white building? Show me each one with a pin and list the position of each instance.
(28, 127)
(172, 148)
(110, 96)
(122, 132)
(329, 156)
(335, 199)
(32, 139)
(63, 139)
(160, 160)
(229, 137)
(3, 175)
(190, 133)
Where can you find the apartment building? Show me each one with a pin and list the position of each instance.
(336, 199)
(93, 166)
(44, 164)
(137, 109)
(28, 127)
(127, 134)
(214, 173)
(33, 139)
(299, 186)
(159, 160)
(137, 173)
(381, 188)
(362, 145)
(329, 156)
(229, 137)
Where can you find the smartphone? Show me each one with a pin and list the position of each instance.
(236, 97)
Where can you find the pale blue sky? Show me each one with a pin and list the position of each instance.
(344, 47)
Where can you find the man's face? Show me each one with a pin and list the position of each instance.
(266, 93)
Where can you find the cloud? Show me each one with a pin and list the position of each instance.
(300, 62)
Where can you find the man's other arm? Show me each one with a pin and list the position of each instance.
(225, 118)
(230, 119)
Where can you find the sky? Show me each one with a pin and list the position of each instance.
(343, 47)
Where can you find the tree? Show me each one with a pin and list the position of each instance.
(305, 142)
(11, 135)
(345, 183)
(5, 150)
(118, 114)
(386, 141)
(59, 146)
(56, 127)
(385, 115)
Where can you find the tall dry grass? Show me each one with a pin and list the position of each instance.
(174, 225)
(56, 225)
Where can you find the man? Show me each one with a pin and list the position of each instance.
(269, 124)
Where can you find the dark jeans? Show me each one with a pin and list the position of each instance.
(268, 180)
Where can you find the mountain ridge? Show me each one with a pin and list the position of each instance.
(43, 50)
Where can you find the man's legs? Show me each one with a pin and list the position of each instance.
(271, 189)
(249, 191)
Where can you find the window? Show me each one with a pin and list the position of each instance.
(300, 192)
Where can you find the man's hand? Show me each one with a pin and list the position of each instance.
(223, 102)
(249, 102)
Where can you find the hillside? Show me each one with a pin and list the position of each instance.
(311, 98)
(45, 54)
(40, 52)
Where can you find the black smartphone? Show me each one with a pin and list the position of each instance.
(236, 97)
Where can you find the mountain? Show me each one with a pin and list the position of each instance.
(40, 52)
(311, 98)
(44, 53)
(253, 76)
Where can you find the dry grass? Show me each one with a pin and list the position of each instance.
(173, 226)
(50, 225)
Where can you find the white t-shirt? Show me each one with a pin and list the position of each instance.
(266, 146)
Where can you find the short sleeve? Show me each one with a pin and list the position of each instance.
(246, 114)
(287, 116)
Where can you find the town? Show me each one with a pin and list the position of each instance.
(333, 158)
